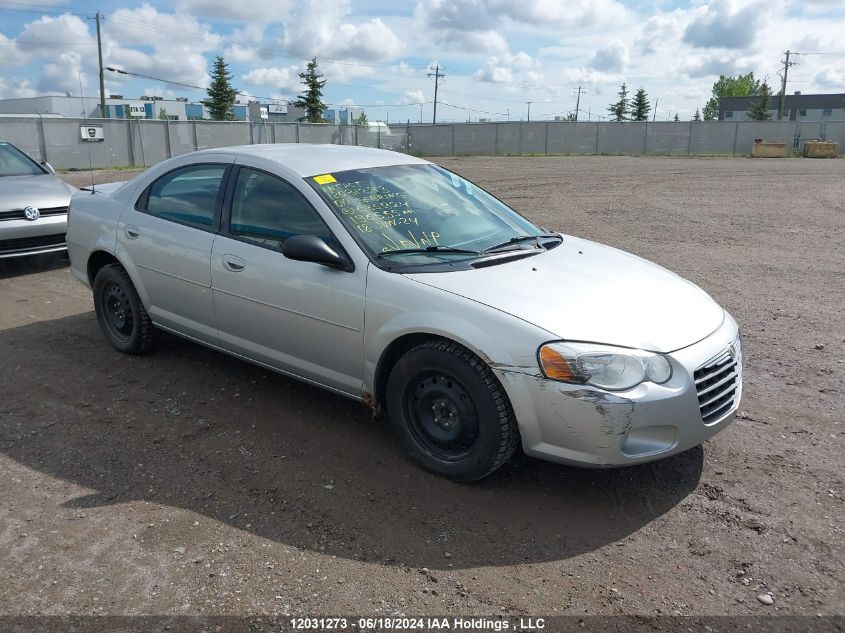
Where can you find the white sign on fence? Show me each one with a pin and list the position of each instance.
(92, 132)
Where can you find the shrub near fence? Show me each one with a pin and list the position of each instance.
(143, 142)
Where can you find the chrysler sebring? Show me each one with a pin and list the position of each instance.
(393, 281)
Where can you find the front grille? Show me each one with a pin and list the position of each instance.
(18, 214)
(31, 243)
(718, 382)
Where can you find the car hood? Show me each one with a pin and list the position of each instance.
(584, 291)
(44, 191)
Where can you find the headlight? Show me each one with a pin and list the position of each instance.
(611, 368)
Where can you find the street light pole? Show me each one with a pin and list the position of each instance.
(529, 110)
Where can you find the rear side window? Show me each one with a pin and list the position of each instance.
(267, 210)
(187, 195)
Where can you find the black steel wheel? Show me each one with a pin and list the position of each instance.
(121, 314)
(450, 412)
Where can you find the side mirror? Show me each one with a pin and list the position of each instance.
(48, 166)
(310, 248)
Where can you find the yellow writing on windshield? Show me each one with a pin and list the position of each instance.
(413, 241)
(324, 179)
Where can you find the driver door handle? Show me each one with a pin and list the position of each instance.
(132, 232)
(235, 264)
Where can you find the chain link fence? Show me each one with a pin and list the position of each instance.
(142, 143)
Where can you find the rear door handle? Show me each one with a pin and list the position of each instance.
(235, 264)
(132, 232)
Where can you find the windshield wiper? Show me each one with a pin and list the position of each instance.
(521, 238)
(428, 249)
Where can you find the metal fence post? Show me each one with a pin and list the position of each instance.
(520, 139)
(378, 137)
(453, 139)
(689, 140)
(496, 139)
(131, 144)
(547, 138)
(597, 138)
(196, 136)
(42, 139)
(251, 134)
(736, 136)
(645, 139)
(167, 138)
(297, 132)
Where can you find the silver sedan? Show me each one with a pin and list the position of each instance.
(33, 205)
(395, 282)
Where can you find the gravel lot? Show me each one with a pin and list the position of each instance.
(187, 482)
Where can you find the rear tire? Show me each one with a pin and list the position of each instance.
(449, 411)
(121, 314)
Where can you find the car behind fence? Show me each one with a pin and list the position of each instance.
(103, 143)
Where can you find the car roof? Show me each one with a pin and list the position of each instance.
(313, 159)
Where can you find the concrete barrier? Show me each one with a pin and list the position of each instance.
(821, 149)
(762, 149)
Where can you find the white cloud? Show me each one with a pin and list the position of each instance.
(255, 11)
(313, 29)
(286, 78)
(831, 78)
(413, 97)
(725, 24)
(510, 69)
(611, 58)
(16, 88)
(240, 54)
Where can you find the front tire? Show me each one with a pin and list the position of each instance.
(121, 314)
(449, 411)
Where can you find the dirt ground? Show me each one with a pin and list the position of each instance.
(187, 482)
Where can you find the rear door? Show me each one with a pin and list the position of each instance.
(168, 235)
(303, 318)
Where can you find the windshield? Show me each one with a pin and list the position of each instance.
(14, 162)
(403, 208)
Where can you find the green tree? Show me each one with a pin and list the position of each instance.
(759, 110)
(362, 119)
(571, 117)
(739, 86)
(221, 94)
(311, 99)
(677, 118)
(619, 109)
(162, 114)
(697, 115)
(640, 107)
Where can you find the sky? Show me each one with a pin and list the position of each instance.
(496, 54)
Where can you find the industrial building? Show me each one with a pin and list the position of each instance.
(796, 107)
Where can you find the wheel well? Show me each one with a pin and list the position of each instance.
(96, 261)
(391, 356)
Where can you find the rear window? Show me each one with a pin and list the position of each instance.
(187, 195)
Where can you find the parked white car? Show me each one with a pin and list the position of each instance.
(393, 281)
(33, 205)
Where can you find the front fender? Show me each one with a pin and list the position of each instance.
(397, 306)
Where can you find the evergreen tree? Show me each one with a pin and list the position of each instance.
(640, 107)
(362, 119)
(697, 115)
(739, 86)
(619, 109)
(311, 99)
(760, 109)
(677, 118)
(221, 94)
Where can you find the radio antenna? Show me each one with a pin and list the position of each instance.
(87, 143)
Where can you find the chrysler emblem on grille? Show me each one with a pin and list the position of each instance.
(732, 351)
(31, 213)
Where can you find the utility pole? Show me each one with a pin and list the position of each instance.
(103, 112)
(529, 110)
(421, 105)
(437, 77)
(578, 101)
(654, 116)
(786, 64)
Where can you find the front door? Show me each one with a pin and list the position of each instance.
(302, 318)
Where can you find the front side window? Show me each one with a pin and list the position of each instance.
(187, 195)
(14, 162)
(402, 208)
(267, 210)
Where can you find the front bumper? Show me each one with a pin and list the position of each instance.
(25, 237)
(587, 426)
